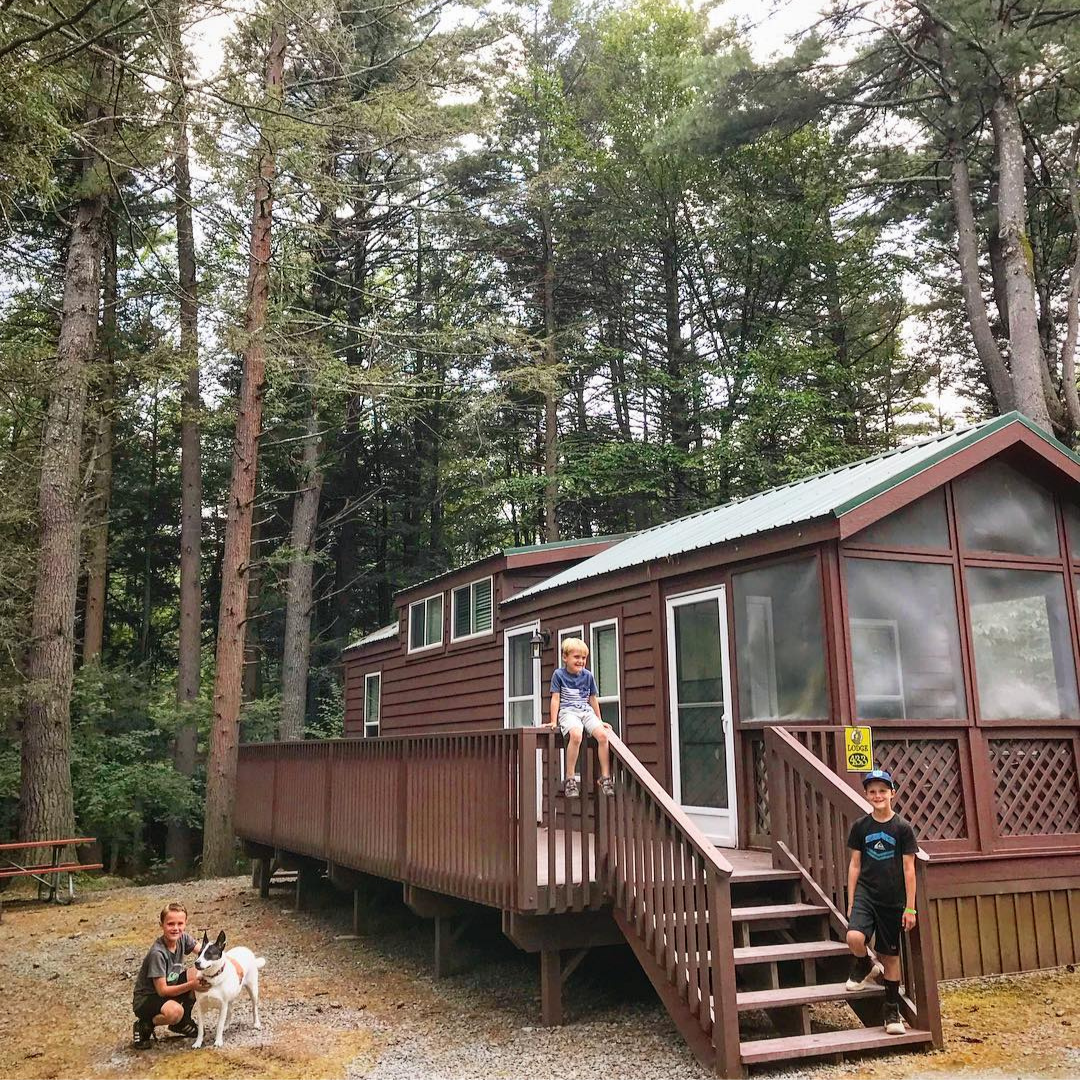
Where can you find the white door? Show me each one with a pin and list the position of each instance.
(521, 678)
(702, 746)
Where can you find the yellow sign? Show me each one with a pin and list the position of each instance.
(858, 749)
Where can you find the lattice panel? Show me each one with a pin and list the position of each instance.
(931, 795)
(1036, 789)
(761, 787)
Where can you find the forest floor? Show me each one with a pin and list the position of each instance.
(339, 1007)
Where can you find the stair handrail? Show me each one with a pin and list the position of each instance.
(798, 844)
(673, 929)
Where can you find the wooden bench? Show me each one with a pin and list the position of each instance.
(47, 875)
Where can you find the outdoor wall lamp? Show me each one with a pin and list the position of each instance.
(539, 640)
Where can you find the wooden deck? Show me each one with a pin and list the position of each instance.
(745, 864)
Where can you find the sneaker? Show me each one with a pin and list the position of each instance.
(187, 1028)
(865, 971)
(572, 788)
(894, 1024)
(607, 785)
(142, 1035)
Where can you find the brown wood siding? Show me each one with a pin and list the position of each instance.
(995, 927)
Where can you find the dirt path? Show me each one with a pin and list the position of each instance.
(370, 1008)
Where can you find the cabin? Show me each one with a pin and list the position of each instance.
(928, 593)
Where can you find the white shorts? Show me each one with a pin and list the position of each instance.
(569, 719)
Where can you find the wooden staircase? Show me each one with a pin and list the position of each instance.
(786, 962)
(742, 954)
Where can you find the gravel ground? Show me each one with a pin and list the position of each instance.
(333, 1007)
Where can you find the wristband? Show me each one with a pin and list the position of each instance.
(910, 911)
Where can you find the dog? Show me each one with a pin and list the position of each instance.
(227, 973)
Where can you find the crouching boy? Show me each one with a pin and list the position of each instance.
(575, 710)
(881, 887)
(164, 989)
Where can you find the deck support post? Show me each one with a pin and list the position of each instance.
(305, 879)
(358, 907)
(448, 933)
(262, 871)
(551, 1011)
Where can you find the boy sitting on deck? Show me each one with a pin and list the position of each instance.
(164, 989)
(881, 885)
(575, 710)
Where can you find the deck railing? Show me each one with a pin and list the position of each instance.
(437, 811)
(670, 890)
(812, 810)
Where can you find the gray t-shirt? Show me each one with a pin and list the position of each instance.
(160, 961)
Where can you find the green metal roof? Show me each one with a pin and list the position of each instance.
(828, 494)
(382, 634)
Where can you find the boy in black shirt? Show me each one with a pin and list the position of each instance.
(881, 887)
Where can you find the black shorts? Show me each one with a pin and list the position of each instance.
(882, 922)
(150, 1006)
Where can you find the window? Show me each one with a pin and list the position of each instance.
(471, 606)
(780, 642)
(920, 524)
(905, 640)
(425, 623)
(604, 663)
(372, 703)
(564, 633)
(1023, 652)
(520, 677)
(998, 509)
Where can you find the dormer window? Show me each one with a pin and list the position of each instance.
(426, 623)
(471, 610)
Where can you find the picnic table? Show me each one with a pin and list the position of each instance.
(47, 875)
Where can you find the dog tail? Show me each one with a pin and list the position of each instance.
(260, 961)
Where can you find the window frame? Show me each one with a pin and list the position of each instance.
(577, 631)
(515, 631)
(442, 623)
(602, 624)
(471, 586)
(893, 625)
(368, 676)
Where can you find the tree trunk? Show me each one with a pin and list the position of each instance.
(296, 649)
(219, 842)
(551, 360)
(101, 481)
(149, 532)
(1025, 349)
(46, 806)
(677, 405)
(178, 842)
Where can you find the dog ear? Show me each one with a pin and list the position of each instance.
(220, 943)
(205, 939)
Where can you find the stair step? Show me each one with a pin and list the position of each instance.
(795, 950)
(801, 995)
(759, 1051)
(764, 874)
(776, 911)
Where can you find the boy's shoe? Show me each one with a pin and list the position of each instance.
(865, 971)
(607, 785)
(894, 1024)
(142, 1035)
(187, 1028)
(572, 789)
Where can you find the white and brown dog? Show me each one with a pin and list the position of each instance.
(227, 973)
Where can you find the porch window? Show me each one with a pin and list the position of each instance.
(564, 633)
(998, 509)
(604, 663)
(426, 623)
(921, 524)
(905, 641)
(779, 642)
(1023, 652)
(522, 688)
(372, 703)
(471, 609)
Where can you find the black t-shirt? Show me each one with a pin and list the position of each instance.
(882, 844)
